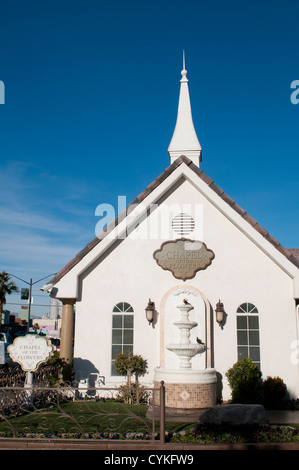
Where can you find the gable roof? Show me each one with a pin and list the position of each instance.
(291, 254)
(294, 252)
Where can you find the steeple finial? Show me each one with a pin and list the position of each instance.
(184, 140)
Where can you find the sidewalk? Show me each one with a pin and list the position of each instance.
(133, 447)
(275, 417)
(283, 417)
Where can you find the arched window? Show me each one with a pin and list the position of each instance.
(248, 337)
(122, 331)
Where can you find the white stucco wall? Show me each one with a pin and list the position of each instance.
(241, 272)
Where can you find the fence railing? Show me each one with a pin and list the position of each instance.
(93, 413)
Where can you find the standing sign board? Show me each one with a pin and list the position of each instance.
(30, 351)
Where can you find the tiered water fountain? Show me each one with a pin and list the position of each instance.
(185, 350)
(187, 389)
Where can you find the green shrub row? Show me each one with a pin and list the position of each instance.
(247, 385)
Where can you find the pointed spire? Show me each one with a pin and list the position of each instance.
(184, 140)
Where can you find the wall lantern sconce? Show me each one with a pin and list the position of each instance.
(149, 311)
(219, 312)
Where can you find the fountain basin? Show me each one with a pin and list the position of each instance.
(185, 352)
(188, 349)
(170, 376)
(187, 390)
(185, 324)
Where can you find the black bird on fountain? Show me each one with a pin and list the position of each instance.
(199, 341)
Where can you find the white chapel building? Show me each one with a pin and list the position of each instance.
(219, 287)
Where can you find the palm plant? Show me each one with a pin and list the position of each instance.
(6, 288)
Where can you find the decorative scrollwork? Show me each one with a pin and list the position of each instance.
(58, 412)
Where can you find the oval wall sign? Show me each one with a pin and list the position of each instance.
(183, 257)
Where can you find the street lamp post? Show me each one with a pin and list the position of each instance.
(30, 284)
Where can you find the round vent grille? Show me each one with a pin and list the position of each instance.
(183, 224)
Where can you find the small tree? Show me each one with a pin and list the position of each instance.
(6, 288)
(128, 364)
(245, 381)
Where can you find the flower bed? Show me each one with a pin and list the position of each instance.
(244, 434)
(206, 435)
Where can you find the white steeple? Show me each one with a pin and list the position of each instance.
(184, 140)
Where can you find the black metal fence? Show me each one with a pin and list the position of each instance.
(76, 413)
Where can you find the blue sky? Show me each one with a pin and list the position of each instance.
(91, 94)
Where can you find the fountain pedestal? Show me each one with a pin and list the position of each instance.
(186, 390)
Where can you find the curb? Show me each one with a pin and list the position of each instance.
(63, 444)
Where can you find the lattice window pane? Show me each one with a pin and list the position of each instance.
(122, 332)
(248, 332)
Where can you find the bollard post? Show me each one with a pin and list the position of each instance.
(162, 413)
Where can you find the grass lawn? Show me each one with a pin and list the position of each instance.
(85, 417)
